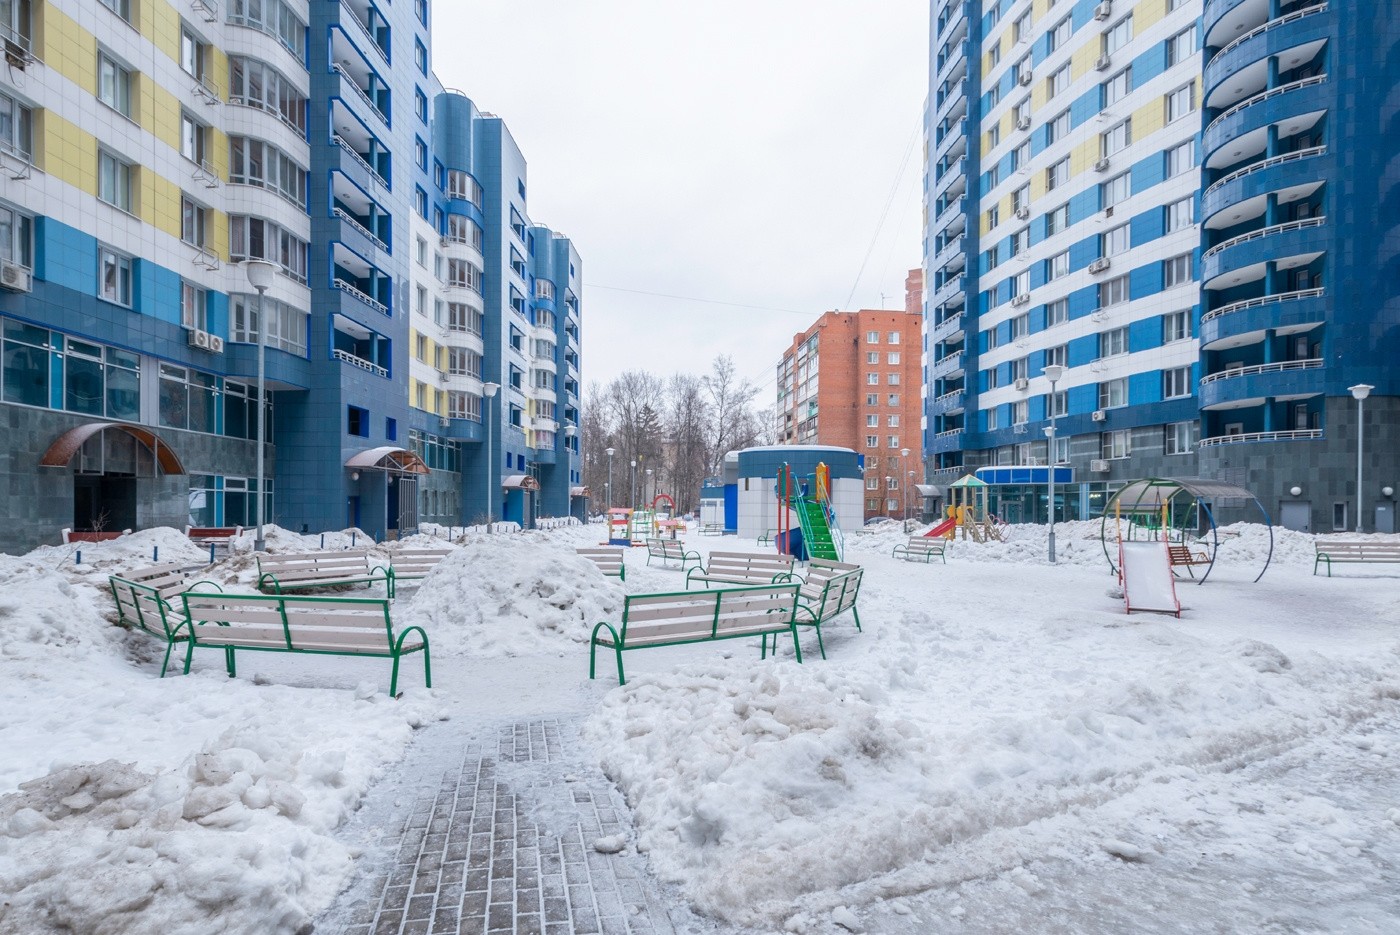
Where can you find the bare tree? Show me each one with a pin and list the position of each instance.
(732, 421)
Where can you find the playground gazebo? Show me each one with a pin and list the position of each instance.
(1167, 504)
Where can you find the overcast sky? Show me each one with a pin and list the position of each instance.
(740, 151)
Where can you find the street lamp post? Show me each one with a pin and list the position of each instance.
(488, 393)
(569, 431)
(610, 453)
(1359, 392)
(645, 485)
(1053, 373)
(633, 500)
(903, 465)
(260, 276)
(909, 483)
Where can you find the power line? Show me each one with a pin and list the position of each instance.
(691, 298)
(884, 214)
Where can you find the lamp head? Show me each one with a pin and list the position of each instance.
(489, 389)
(1296, 491)
(260, 273)
(1360, 391)
(904, 452)
(1053, 372)
(1387, 491)
(609, 451)
(570, 431)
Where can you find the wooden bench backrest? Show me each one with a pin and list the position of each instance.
(749, 564)
(312, 566)
(607, 558)
(832, 587)
(417, 561)
(289, 622)
(672, 548)
(923, 544)
(1359, 550)
(213, 532)
(146, 605)
(697, 615)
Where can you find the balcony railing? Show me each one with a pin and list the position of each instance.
(349, 219)
(1271, 24)
(349, 358)
(369, 33)
(375, 304)
(344, 144)
(1296, 435)
(1265, 95)
(1265, 232)
(949, 433)
(1280, 367)
(1261, 301)
(364, 95)
(1266, 164)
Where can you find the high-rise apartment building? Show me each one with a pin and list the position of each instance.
(147, 149)
(852, 380)
(1066, 225)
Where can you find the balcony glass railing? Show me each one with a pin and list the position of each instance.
(1264, 232)
(1261, 301)
(1279, 367)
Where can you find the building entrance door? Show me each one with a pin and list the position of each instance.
(103, 503)
(1296, 515)
(1385, 517)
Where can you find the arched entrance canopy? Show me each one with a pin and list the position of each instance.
(388, 458)
(61, 452)
(1147, 497)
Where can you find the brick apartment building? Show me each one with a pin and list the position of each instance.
(852, 379)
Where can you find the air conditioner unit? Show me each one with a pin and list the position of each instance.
(1023, 123)
(1108, 212)
(1022, 383)
(442, 376)
(1098, 466)
(199, 338)
(1099, 265)
(1021, 299)
(1019, 428)
(1023, 212)
(15, 278)
(1103, 63)
(1098, 415)
(444, 242)
(216, 344)
(1102, 165)
(1103, 11)
(1024, 77)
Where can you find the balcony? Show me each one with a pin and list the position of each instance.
(1241, 387)
(1245, 438)
(371, 27)
(948, 404)
(1249, 251)
(1275, 105)
(950, 328)
(1273, 174)
(949, 366)
(951, 440)
(1247, 321)
(1287, 32)
(352, 360)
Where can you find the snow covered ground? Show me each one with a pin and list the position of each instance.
(1001, 749)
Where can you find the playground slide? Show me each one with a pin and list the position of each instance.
(942, 528)
(1148, 583)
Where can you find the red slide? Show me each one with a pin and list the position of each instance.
(941, 528)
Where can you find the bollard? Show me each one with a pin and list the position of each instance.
(211, 553)
(352, 540)
(78, 558)
(155, 553)
(323, 540)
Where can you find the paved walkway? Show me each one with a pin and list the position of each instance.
(494, 833)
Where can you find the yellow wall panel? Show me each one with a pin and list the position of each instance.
(161, 24)
(1083, 59)
(68, 49)
(1038, 9)
(1083, 156)
(216, 67)
(1037, 185)
(216, 153)
(159, 202)
(66, 152)
(216, 235)
(1149, 118)
(1146, 13)
(1040, 93)
(163, 117)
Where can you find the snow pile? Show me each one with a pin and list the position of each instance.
(147, 547)
(511, 595)
(760, 788)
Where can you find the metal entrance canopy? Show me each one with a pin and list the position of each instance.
(388, 458)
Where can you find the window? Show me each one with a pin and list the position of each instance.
(1056, 312)
(1021, 155)
(1020, 241)
(872, 379)
(114, 177)
(1023, 67)
(1181, 102)
(113, 84)
(1180, 214)
(993, 216)
(993, 136)
(188, 399)
(1057, 403)
(872, 357)
(1058, 81)
(120, 7)
(992, 420)
(1022, 112)
(893, 441)
(420, 202)
(1113, 191)
(872, 483)
(1116, 444)
(274, 17)
(1176, 271)
(253, 162)
(462, 186)
(872, 441)
(993, 257)
(1113, 393)
(194, 306)
(462, 229)
(1020, 412)
(1177, 438)
(256, 238)
(357, 421)
(1020, 326)
(1060, 33)
(1180, 158)
(286, 324)
(420, 10)
(193, 222)
(464, 361)
(420, 304)
(16, 237)
(993, 96)
(994, 56)
(1176, 382)
(1113, 292)
(1057, 265)
(193, 52)
(256, 84)
(1114, 241)
(1118, 87)
(193, 137)
(1021, 197)
(1059, 126)
(464, 273)
(872, 421)
(893, 421)
(420, 57)
(113, 276)
(1057, 220)
(1181, 46)
(1117, 139)
(872, 399)
(1021, 368)
(1021, 29)
(892, 358)
(892, 379)
(420, 104)
(1112, 343)
(872, 337)
(1020, 285)
(420, 153)
(16, 128)
(1118, 35)
(1176, 326)
(1057, 174)
(994, 176)
(463, 318)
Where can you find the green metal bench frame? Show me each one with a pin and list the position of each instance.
(767, 537)
(831, 589)
(658, 548)
(749, 576)
(394, 645)
(1354, 553)
(150, 612)
(594, 553)
(937, 547)
(784, 620)
(369, 578)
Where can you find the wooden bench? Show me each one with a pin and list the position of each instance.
(608, 558)
(300, 623)
(283, 573)
(1181, 555)
(830, 590)
(670, 550)
(696, 617)
(1355, 553)
(146, 599)
(71, 536)
(923, 549)
(411, 565)
(744, 568)
(767, 537)
(213, 535)
(712, 529)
